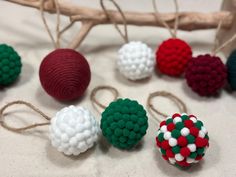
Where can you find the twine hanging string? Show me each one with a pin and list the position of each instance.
(94, 92)
(151, 108)
(59, 32)
(218, 49)
(56, 42)
(159, 18)
(20, 102)
(110, 17)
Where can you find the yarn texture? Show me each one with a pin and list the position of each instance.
(65, 74)
(231, 68)
(173, 56)
(206, 74)
(182, 139)
(10, 65)
(124, 122)
(136, 60)
(73, 130)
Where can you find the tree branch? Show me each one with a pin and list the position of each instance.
(187, 20)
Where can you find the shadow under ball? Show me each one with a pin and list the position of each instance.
(65, 74)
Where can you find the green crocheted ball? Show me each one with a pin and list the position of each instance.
(10, 64)
(124, 122)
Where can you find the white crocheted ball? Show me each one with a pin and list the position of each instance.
(136, 60)
(73, 130)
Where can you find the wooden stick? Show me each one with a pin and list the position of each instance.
(187, 20)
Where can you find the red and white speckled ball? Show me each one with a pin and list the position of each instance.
(173, 56)
(182, 139)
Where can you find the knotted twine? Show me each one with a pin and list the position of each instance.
(94, 99)
(29, 105)
(158, 18)
(152, 110)
(111, 18)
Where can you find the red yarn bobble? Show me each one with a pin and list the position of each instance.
(206, 74)
(64, 74)
(173, 56)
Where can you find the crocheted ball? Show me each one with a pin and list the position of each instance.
(73, 130)
(10, 65)
(231, 67)
(173, 56)
(206, 74)
(135, 61)
(182, 139)
(124, 122)
(65, 74)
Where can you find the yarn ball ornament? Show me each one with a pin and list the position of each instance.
(182, 139)
(231, 68)
(65, 74)
(124, 122)
(173, 56)
(73, 130)
(206, 74)
(135, 61)
(10, 65)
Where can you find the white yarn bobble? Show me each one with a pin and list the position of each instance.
(73, 130)
(136, 60)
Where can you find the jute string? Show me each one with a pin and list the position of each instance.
(94, 92)
(56, 42)
(20, 102)
(218, 49)
(158, 18)
(110, 17)
(151, 108)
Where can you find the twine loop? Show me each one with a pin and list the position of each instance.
(151, 108)
(94, 92)
(56, 42)
(55, 3)
(110, 17)
(158, 18)
(216, 49)
(20, 102)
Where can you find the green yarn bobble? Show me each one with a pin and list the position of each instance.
(124, 122)
(10, 65)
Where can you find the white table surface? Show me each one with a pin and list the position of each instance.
(31, 155)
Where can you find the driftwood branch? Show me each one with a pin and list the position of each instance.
(91, 17)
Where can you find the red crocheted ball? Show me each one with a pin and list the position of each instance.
(173, 56)
(206, 74)
(64, 74)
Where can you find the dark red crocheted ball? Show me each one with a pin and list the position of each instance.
(64, 74)
(173, 56)
(206, 74)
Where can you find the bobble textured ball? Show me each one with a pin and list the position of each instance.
(10, 65)
(206, 74)
(135, 61)
(124, 123)
(73, 130)
(231, 67)
(65, 74)
(182, 149)
(173, 56)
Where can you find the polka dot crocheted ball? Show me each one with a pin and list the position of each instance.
(124, 122)
(182, 139)
(135, 61)
(173, 56)
(10, 65)
(206, 74)
(73, 130)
